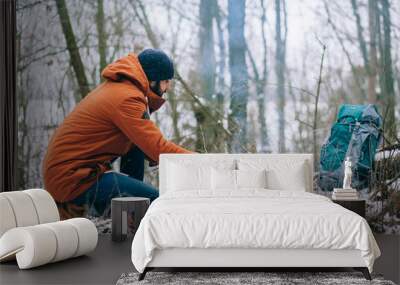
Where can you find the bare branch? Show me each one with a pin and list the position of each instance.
(315, 122)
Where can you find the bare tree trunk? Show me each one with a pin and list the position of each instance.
(260, 82)
(221, 141)
(387, 74)
(117, 28)
(22, 101)
(24, 146)
(239, 75)
(172, 94)
(373, 59)
(201, 143)
(175, 115)
(361, 40)
(194, 101)
(345, 51)
(280, 58)
(315, 122)
(379, 38)
(76, 60)
(101, 36)
(221, 48)
(206, 125)
(261, 91)
(207, 54)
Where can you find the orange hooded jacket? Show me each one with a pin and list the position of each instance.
(103, 126)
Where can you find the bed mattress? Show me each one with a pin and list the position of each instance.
(250, 219)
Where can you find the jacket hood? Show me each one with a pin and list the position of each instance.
(129, 67)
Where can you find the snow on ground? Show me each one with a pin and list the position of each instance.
(103, 225)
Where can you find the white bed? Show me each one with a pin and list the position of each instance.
(201, 219)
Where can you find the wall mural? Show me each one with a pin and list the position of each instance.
(251, 76)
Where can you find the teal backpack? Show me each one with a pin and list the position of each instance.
(356, 134)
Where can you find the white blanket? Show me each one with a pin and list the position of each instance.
(250, 219)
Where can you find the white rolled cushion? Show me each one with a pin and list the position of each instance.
(40, 244)
(87, 235)
(23, 208)
(46, 208)
(282, 174)
(223, 179)
(251, 178)
(33, 246)
(7, 218)
(67, 240)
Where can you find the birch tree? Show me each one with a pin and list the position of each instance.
(261, 78)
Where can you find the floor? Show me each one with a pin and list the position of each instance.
(389, 262)
(110, 260)
(103, 266)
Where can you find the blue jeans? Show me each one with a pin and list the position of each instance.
(113, 184)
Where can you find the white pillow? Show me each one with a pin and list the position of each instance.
(282, 174)
(291, 177)
(183, 178)
(193, 173)
(251, 178)
(226, 179)
(223, 179)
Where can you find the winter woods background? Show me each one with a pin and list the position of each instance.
(252, 76)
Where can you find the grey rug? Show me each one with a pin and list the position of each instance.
(228, 278)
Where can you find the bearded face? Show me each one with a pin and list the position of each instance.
(160, 87)
(156, 88)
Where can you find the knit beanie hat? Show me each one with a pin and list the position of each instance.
(156, 64)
